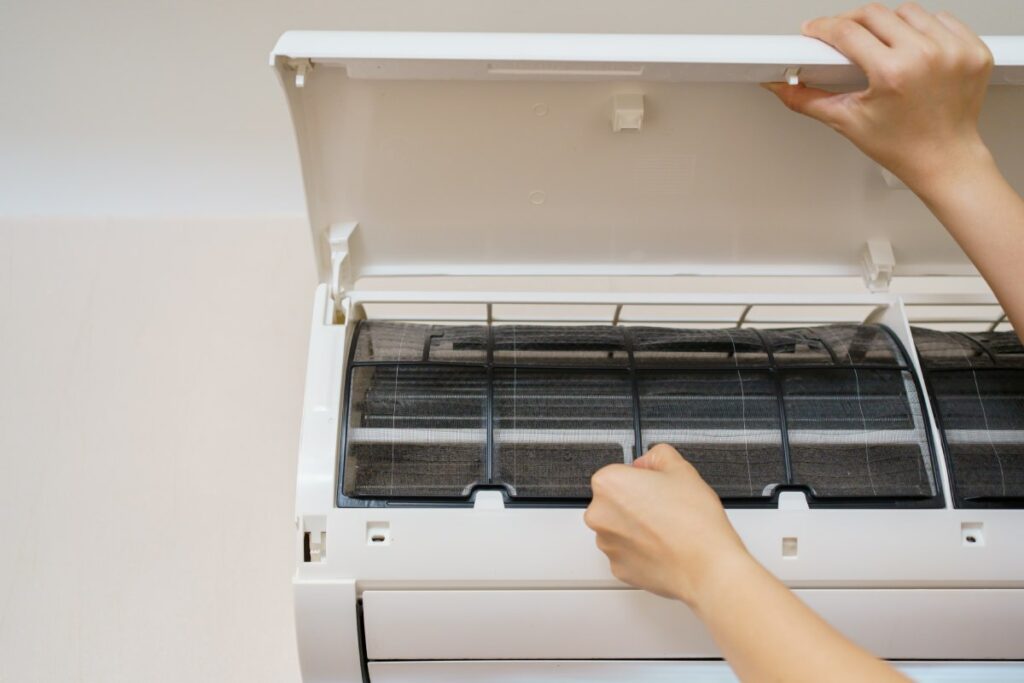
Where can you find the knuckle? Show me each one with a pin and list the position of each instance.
(600, 480)
(890, 75)
(607, 479)
(972, 60)
(662, 449)
(845, 29)
(981, 58)
(930, 53)
(875, 9)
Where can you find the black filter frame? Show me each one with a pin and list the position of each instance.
(632, 370)
(930, 370)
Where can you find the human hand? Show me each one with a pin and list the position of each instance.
(927, 76)
(661, 526)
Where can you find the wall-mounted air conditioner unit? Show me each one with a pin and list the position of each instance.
(599, 195)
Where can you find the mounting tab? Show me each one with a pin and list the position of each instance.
(303, 67)
(627, 112)
(879, 264)
(338, 237)
(792, 75)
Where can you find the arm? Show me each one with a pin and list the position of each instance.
(664, 530)
(918, 117)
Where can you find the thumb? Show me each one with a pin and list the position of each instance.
(661, 458)
(813, 102)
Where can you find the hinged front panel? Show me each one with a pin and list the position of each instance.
(469, 154)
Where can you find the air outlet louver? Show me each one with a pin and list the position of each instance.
(436, 411)
(977, 384)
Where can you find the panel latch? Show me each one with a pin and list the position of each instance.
(627, 112)
(879, 264)
(314, 538)
(338, 237)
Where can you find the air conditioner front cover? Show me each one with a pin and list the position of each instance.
(496, 154)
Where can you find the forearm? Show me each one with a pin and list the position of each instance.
(767, 633)
(985, 215)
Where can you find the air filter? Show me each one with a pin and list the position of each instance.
(977, 385)
(435, 412)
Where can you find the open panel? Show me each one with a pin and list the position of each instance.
(435, 412)
(976, 382)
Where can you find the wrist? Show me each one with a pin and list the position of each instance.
(719, 578)
(953, 166)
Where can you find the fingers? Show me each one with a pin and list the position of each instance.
(927, 25)
(813, 102)
(960, 29)
(852, 39)
(885, 24)
(606, 478)
(978, 55)
(660, 458)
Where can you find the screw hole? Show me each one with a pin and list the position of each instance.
(971, 539)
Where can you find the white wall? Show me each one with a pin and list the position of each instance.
(155, 284)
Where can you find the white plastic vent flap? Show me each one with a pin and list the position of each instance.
(587, 154)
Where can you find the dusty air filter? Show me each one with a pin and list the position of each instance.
(434, 412)
(977, 386)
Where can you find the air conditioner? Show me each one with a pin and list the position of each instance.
(542, 253)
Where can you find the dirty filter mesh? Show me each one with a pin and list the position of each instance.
(412, 342)
(977, 381)
(415, 430)
(857, 433)
(833, 345)
(586, 346)
(670, 347)
(725, 423)
(563, 405)
(982, 415)
(553, 430)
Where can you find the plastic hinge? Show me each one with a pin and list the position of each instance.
(338, 238)
(879, 264)
(303, 67)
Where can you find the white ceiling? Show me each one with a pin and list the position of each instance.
(146, 107)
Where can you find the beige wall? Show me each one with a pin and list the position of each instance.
(151, 367)
(143, 106)
(149, 408)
